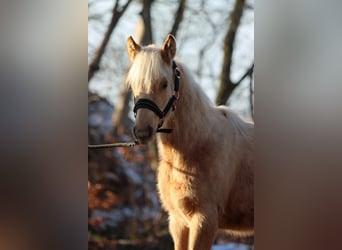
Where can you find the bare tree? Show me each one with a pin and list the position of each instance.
(117, 12)
(227, 86)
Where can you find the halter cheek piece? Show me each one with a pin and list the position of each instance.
(148, 104)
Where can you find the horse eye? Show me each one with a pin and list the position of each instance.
(164, 85)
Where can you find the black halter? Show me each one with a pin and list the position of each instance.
(148, 104)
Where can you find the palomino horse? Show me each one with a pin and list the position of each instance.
(206, 169)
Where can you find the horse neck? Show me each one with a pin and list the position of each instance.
(189, 121)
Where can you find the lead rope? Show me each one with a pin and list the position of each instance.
(114, 145)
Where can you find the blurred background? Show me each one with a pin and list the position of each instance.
(215, 39)
(43, 63)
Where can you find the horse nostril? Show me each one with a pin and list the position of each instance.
(150, 131)
(143, 133)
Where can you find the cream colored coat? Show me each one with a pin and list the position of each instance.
(206, 170)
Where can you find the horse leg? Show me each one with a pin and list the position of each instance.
(203, 229)
(179, 232)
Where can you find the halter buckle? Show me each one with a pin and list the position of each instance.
(177, 72)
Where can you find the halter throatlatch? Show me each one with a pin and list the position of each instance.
(148, 104)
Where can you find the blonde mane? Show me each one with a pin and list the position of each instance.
(147, 67)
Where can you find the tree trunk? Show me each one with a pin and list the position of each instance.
(147, 37)
(178, 17)
(251, 96)
(122, 109)
(226, 85)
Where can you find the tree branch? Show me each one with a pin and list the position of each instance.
(249, 73)
(94, 66)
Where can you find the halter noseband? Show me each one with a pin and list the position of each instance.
(148, 104)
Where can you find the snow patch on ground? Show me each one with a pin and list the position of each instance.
(232, 246)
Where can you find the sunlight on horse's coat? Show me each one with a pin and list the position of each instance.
(206, 170)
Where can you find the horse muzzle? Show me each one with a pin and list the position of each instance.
(143, 135)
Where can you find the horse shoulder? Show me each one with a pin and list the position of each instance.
(177, 185)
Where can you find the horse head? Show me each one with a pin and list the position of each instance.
(153, 78)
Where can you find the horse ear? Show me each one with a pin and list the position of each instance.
(132, 48)
(168, 50)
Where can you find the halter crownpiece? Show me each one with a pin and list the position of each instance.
(149, 104)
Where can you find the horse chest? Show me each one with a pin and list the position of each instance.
(178, 190)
